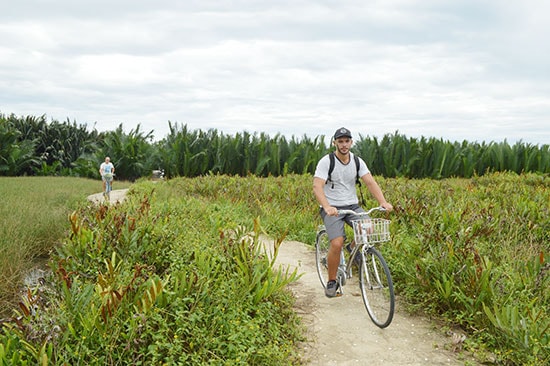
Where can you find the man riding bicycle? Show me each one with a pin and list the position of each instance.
(334, 189)
(106, 170)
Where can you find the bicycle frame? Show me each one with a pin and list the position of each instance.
(359, 244)
(374, 275)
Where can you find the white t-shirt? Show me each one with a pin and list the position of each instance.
(107, 168)
(341, 190)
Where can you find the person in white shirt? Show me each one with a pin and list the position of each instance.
(106, 170)
(339, 192)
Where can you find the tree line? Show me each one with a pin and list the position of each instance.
(32, 146)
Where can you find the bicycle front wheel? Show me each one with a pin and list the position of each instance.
(322, 246)
(377, 287)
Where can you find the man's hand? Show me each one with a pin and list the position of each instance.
(388, 206)
(331, 211)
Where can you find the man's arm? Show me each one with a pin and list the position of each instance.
(319, 191)
(375, 190)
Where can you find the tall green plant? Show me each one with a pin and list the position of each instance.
(16, 155)
(129, 152)
(69, 149)
(57, 146)
(474, 251)
(398, 156)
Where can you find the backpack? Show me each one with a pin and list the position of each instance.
(331, 168)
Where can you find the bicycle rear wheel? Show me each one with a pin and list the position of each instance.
(377, 287)
(322, 246)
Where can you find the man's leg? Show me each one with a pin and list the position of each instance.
(335, 230)
(333, 258)
(333, 261)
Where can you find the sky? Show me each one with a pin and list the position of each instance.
(475, 70)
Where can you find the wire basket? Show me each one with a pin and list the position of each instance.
(371, 231)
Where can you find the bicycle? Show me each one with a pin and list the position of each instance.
(374, 275)
(108, 185)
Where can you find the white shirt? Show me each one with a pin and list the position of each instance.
(341, 190)
(106, 168)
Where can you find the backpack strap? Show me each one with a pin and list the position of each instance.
(356, 158)
(330, 168)
(358, 181)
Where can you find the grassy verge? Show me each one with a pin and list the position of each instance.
(475, 253)
(158, 281)
(33, 219)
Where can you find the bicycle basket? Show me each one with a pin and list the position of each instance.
(371, 231)
(108, 176)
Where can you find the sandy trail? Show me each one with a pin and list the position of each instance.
(341, 332)
(117, 195)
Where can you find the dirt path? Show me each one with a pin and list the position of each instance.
(341, 332)
(117, 195)
(339, 329)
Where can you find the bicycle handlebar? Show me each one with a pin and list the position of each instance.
(351, 212)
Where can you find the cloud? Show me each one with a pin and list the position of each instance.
(457, 70)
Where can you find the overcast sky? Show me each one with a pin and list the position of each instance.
(476, 70)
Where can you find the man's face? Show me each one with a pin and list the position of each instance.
(343, 144)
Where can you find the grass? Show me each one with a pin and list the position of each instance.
(33, 219)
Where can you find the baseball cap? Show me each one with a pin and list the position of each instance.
(342, 132)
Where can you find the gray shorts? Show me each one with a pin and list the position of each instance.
(335, 224)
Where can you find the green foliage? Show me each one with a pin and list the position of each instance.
(33, 220)
(16, 155)
(129, 152)
(398, 156)
(56, 146)
(284, 203)
(473, 251)
(194, 153)
(32, 146)
(161, 281)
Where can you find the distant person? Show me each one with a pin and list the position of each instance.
(339, 192)
(107, 171)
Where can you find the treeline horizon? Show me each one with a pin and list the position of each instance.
(32, 146)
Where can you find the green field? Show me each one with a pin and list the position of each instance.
(33, 220)
(160, 278)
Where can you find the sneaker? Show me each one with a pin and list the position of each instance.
(332, 287)
(357, 259)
